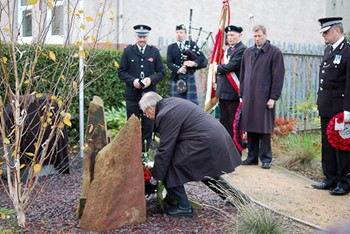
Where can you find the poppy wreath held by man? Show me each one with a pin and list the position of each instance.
(339, 139)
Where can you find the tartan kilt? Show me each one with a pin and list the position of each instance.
(191, 93)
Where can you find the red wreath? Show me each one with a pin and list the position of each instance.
(333, 135)
(238, 135)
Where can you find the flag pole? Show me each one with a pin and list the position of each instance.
(81, 82)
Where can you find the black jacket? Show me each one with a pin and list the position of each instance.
(133, 63)
(334, 83)
(224, 88)
(175, 59)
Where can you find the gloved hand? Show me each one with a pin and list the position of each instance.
(153, 181)
(346, 116)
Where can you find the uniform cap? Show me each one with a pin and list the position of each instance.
(233, 28)
(327, 23)
(142, 30)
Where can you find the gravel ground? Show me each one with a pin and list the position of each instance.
(54, 211)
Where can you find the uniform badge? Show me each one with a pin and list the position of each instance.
(337, 59)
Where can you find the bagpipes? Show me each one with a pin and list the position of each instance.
(191, 50)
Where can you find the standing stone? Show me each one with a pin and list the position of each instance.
(116, 195)
(96, 139)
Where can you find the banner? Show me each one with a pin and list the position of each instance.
(216, 56)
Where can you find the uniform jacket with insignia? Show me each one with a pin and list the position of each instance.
(224, 88)
(133, 64)
(175, 59)
(334, 81)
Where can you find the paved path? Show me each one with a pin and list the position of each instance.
(291, 194)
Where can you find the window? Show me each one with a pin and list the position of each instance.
(25, 19)
(57, 20)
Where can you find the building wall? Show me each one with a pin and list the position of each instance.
(339, 8)
(286, 21)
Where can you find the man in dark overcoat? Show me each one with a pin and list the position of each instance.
(184, 57)
(333, 98)
(193, 146)
(227, 90)
(262, 75)
(141, 68)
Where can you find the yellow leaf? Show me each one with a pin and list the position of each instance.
(53, 97)
(62, 77)
(86, 38)
(44, 80)
(89, 19)
(31, 2)
(116, 64)
(26, 81)
(37, 168)
(22, 165)
(108, 43)
(82, 26)
(7, 141)
(67, 122)
(0, 172)
(81, 11)
(100, 14)
(60, 125)
(67, 116)
(6, 30)
(93, 38)
(14, 153)
(52, 55)
(82, 53)
(59, 102)
(12, 132)
(4, 59)
(38, 95)
(29, 154)
(49, 5)
(69, 10)
(79, 43)
(1, 163)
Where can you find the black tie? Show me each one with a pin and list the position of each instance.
(180, 45)
(331, 49)
(141, 50)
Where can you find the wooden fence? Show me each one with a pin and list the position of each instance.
(298, 99)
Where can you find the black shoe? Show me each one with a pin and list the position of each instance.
(266, 165)
(323, 186)
(245, 162)
(178, 211)
(339, 191)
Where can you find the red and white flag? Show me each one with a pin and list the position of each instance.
(216, 56)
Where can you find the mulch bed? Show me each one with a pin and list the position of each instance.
(53, 211)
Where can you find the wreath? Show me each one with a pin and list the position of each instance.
(339, 139)
(239, 136)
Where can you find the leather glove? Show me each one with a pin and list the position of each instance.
(346, 116)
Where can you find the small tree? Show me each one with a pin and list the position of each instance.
(35, 71)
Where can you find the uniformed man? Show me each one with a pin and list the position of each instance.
(141, 68)
(183, 58)
(227, 90)
(333, 98)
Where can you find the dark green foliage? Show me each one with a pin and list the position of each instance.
(100, 76)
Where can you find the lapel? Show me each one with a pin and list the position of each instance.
(337, 50)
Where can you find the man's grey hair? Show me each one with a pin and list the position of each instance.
(260, 27)
(340, 26)
(149, 99)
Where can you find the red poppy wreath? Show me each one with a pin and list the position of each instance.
(339, 139)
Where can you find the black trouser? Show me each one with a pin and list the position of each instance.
(335, 163)
(259, 146)
(219, 185)
(228, 109)
(147, 125)
(179, 194)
